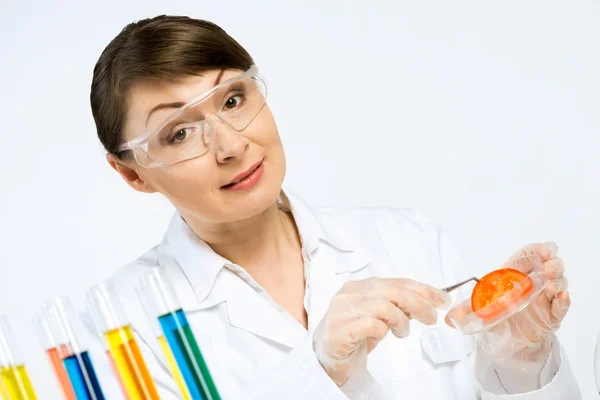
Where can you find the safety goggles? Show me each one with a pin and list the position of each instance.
(190, 131)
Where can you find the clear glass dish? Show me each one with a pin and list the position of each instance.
(470, 322)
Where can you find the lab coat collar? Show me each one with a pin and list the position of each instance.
(314, 227)
(201, 265)
(318, 227)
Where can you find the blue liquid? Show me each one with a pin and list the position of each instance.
(83, 377)
(190, 361)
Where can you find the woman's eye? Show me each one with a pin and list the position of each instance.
(233, 102)
(179, 136)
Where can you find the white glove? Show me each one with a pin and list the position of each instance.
(359, 317)
(525, 336)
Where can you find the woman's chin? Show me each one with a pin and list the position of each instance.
(242, 206)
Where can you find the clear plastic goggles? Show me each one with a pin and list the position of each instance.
(190, 131)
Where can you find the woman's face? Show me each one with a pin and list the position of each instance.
(200, 187)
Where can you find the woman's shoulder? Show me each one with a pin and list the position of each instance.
(125, 278)
(377, 218)
(399, 237)
(382, 230)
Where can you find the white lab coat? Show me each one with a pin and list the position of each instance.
(256, 350)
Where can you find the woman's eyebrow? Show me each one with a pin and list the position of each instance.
(179, 104)
(163, 105)
(218, 79)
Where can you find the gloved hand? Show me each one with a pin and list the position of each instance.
(525, 335)
(360, 315)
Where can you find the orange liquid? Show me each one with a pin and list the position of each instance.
(61, 373)
(130, 365)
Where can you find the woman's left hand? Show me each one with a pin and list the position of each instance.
(523, 336)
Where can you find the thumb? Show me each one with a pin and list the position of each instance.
(449, 322)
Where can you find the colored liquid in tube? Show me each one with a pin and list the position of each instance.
(113, 368)
(54, 355)
(83, 377)
(172, 364)
(16, 384)
(130, 365)
(188, 357)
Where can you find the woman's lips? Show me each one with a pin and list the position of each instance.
(246, 179)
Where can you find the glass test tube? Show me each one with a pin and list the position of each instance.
(111, 362)
(158, 296)
(14, 380)
(164, 346)
(77, 360)
(123, 350)
(55, 352)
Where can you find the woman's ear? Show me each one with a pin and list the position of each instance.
(129, 174)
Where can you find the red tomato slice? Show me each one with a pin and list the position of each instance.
(499, 290)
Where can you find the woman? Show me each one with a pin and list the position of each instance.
(286, 300)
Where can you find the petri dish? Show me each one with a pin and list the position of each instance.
(470, 322)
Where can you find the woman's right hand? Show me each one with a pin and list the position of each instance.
(361, 314)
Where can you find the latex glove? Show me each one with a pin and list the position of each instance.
(525, 336)
(359, 317)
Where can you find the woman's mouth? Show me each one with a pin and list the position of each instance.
(246, 179)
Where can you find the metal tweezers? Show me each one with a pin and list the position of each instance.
(457, 285)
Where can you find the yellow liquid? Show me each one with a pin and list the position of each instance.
(16, 384)
(130, 365)
(3, 390)
(174, 368)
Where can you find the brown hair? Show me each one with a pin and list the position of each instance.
(164, 48)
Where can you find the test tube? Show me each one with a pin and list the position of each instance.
(156, 293)
(123, 350)
(14, 380)
(164, 346)
(55, 352)
(77, 360)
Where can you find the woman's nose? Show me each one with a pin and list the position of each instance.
(230, 145)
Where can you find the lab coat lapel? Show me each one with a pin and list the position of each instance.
(330, 268)
(332, 257)
(203, 282)
(249, 311)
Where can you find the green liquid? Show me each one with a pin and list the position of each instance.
(188, 356)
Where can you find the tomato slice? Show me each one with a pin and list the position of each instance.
(498, 290)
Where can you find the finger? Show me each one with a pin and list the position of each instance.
(556, 286)
(560, 306)
(553, 248)
(345, 306)
(412, 304)
(449, 321)
(433, 295)
(361, 329)
(457, 312)
(546, 251)
(554, 268)
(387, 312)
(527, 263)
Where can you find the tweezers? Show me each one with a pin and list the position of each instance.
(457, 285)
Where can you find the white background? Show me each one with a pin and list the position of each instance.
(483, 115)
